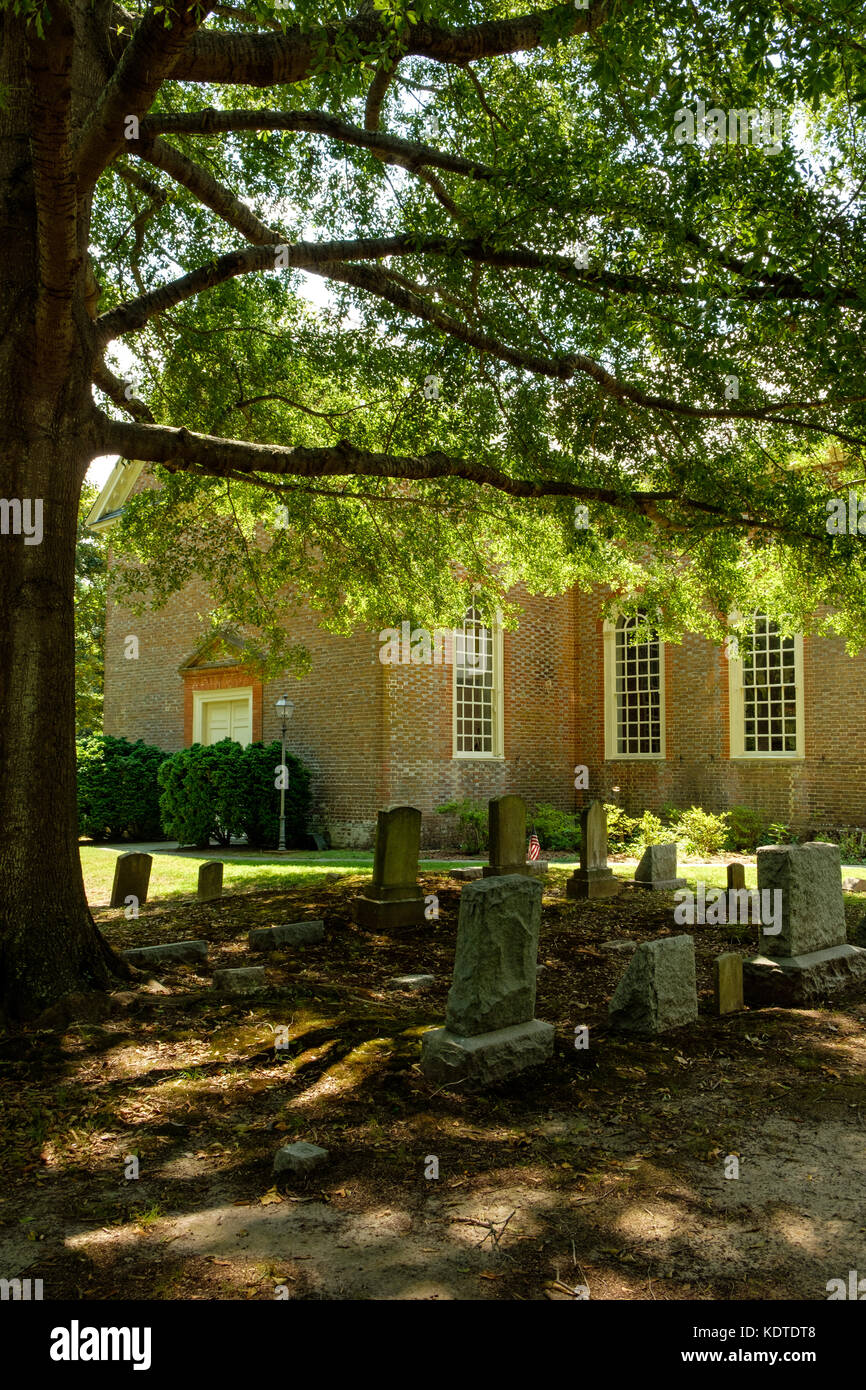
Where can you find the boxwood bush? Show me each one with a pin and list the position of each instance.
(118, 792)
(224, 791)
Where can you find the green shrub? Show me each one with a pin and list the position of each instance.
(649, 831)
(555, 829)
(702, 832)
(621, 828)
(746, 829)
(472, 818)
(780, 834)
(224, 791)
(118, 792)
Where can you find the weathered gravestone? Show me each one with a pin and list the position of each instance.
(244, 979)
(210, 881)
(659, 988)
(167, 953)
(131, 878)
(286, 934)
(394, 899)
(593, 879)
(490, 1030)
(809, 957)
(658, 869)
(736, 876)
(728, 982)
(506, 819)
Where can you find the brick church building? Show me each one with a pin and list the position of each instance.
(489, 711)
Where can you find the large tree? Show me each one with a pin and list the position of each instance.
(538, 299)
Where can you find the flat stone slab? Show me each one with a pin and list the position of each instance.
(287, 934)
(854, 885)
(168, 952)
(659, 988)
(412, 983)
(795, 981)
(467, 875)
(299, 1158)
(488, 1057)
(626, 947)
(728, 983)
(244, 980)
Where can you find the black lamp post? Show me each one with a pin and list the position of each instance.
(284, 708)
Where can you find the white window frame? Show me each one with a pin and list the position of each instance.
(611, 741)
(202, 697)
(497, 703)
(737, 711)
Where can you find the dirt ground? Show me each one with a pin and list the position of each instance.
(604, 1171)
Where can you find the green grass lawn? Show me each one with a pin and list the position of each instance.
(176, 875)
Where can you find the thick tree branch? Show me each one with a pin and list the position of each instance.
(206, 188)
(147, 60)
(182, 450)
(266, 60)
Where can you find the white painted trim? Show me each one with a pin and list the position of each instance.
(498, 703)
(736, 713)
(611, 753)
(115, 492)
(202, 697)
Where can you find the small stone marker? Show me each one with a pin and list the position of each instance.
(245, 980)
(736, 876)
(394, 900)
(506, 818)
(854, 885)
(469, 874)
(659, 988)
(412, 983)
(728, 983)
(168, 953)
(593, 879)
(626, 947)
(299, 1158)
(287, 934)
(210, 880)
(658, 869)
(490, 1032)
(131, 877)
(810, 957)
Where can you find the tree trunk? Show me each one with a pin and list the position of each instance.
(49, 944)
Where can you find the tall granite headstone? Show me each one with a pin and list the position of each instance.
(131, 878)
(809, 957)
(593, 879)
(394, 899)
(490, 1030)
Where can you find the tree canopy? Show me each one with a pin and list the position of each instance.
(528, 298)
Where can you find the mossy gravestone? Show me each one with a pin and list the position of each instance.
(131, 878)
(394, 900)
(210, 881)
(490, 1032)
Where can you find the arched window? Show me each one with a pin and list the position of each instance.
(634, 714)
(477, 687)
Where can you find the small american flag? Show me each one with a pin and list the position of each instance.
(534, 846)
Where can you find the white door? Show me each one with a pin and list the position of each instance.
(227, 719)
